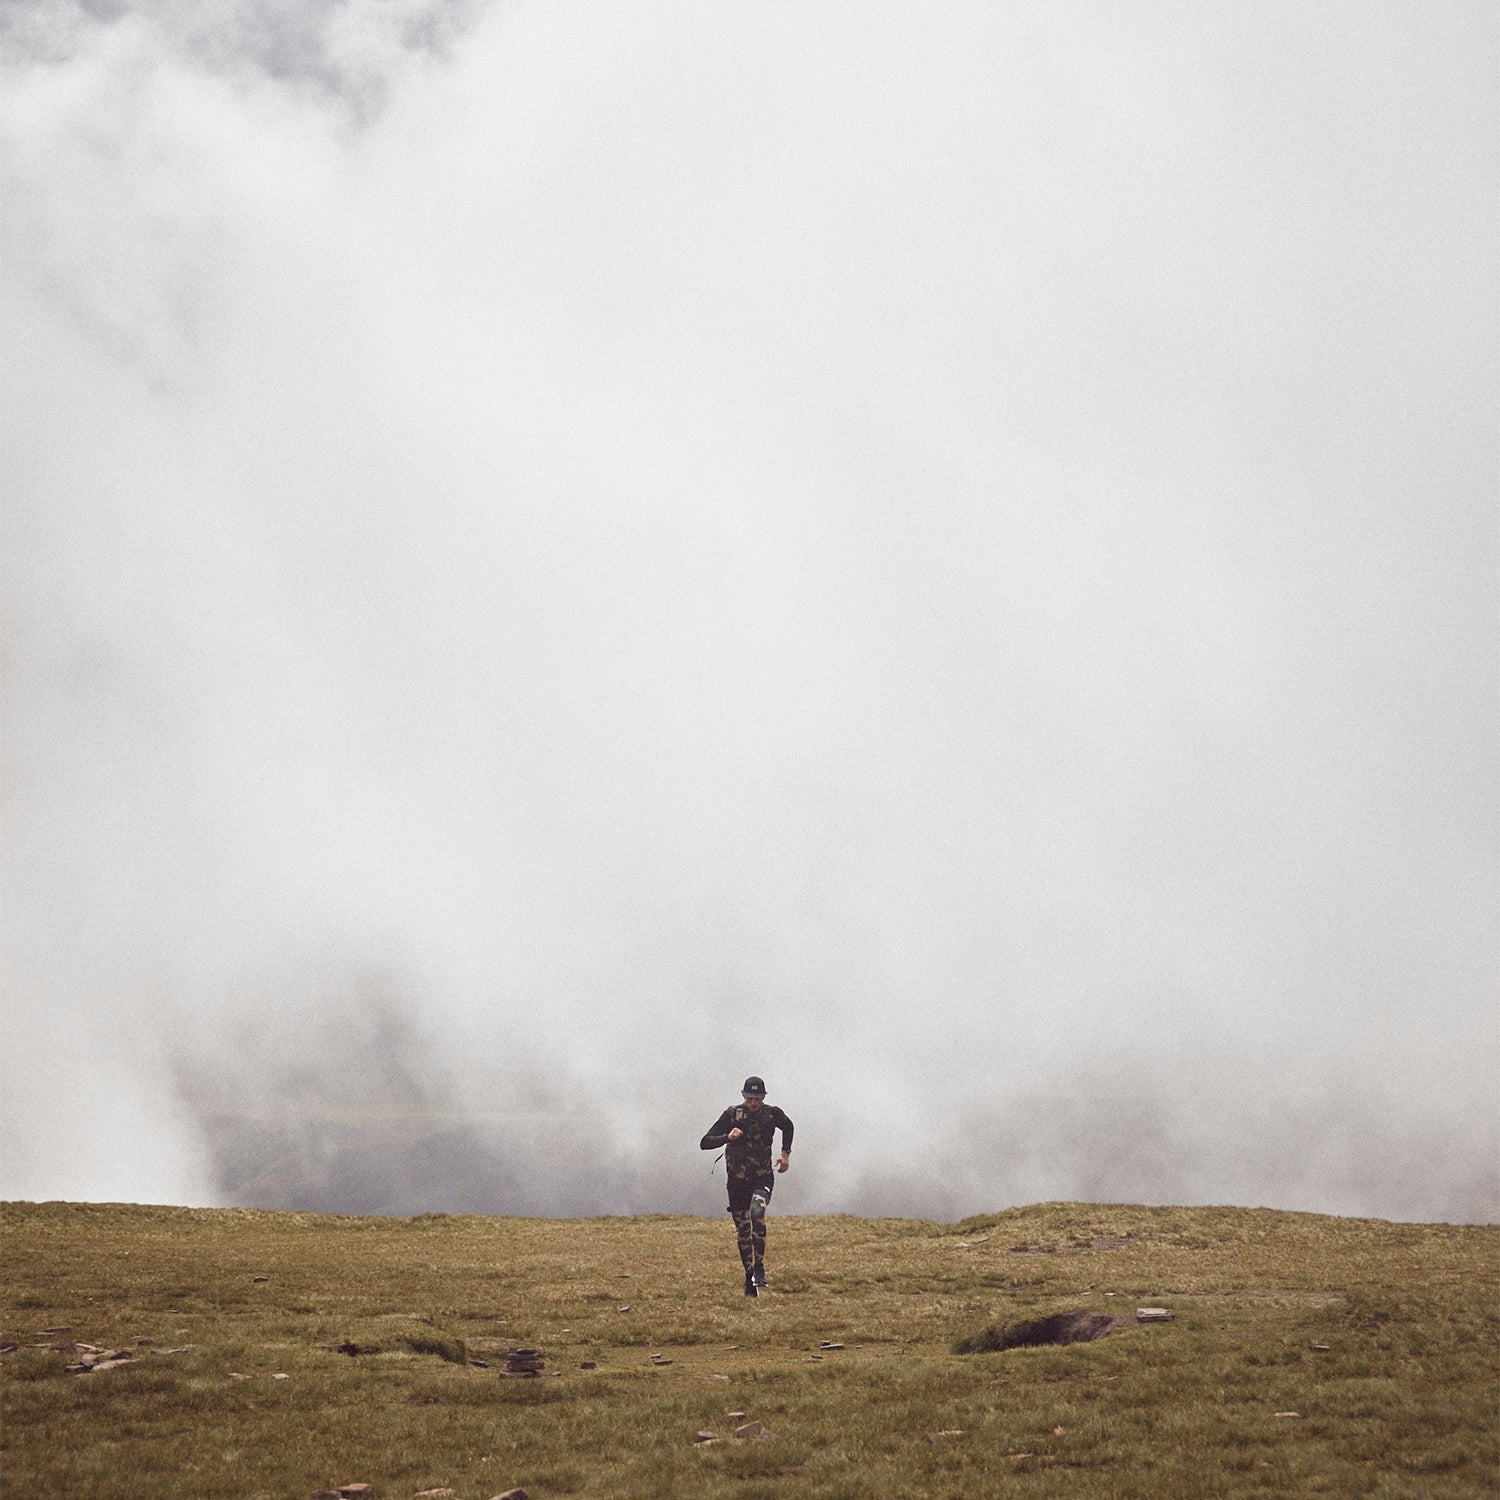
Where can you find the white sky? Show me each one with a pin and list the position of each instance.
(926, 552)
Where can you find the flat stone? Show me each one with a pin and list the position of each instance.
(1289, 1414)
(357, 1491)
(433, 1494)
(705, 1437)
(281, 1375)
(1153, 1315)
(587, 1364)
(752, 1430)
(736, 1416)
(511, 1495)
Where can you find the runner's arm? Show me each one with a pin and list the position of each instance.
(718, 1132)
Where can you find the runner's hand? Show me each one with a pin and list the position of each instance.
(735, 1134)
(784, 1162)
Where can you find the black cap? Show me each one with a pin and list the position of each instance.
(755, 1088)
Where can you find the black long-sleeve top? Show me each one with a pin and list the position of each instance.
(750, 1155)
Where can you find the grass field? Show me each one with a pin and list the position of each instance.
(1383, 1339)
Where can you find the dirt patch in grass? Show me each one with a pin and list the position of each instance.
(1058, 1328)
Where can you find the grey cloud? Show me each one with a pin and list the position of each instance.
(904, 558)
(343, 51)
(1133, 1139)
(351, 1107)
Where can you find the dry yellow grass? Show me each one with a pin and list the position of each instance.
(1402, 1401)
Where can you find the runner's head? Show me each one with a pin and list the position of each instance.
(754, 1092)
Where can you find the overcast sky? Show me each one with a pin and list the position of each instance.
(561, 554)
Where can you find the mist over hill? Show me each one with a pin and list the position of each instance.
(369, 1119)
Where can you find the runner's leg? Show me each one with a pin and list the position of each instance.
(758, 1231)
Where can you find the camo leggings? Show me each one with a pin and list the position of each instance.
(749, 1232)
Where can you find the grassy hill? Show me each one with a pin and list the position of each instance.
(1383, 1339)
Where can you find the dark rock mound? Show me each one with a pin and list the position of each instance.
(1059, 1328)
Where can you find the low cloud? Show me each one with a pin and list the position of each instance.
(353, 1109)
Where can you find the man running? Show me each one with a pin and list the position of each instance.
(745, 1131)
